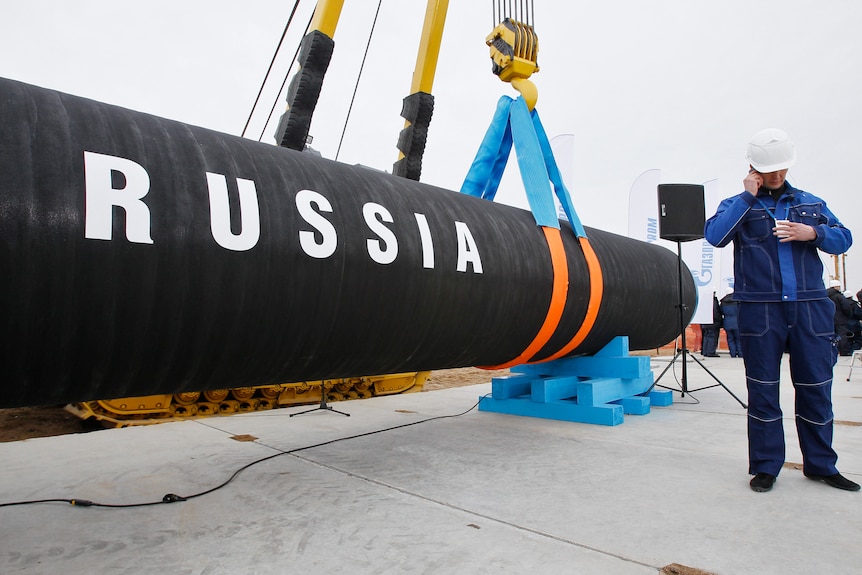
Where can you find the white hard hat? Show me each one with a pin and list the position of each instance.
(848, 294)
(835, 283)
(771, 150)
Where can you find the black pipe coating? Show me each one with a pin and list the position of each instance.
(141, 256)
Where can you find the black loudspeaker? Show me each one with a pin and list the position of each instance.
(681, 212)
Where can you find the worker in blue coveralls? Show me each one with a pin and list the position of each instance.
(776, 231)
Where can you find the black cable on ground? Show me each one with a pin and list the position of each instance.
(173, 498)
(678, 381)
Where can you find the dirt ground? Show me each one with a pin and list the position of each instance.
(28, 422)
(446, 378)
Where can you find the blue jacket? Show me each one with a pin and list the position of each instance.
(764, 269)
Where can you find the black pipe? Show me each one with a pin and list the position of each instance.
(338, 271)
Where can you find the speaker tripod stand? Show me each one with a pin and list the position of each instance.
(683, 351)
(323, 406)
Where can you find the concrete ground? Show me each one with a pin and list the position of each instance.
(424, 483)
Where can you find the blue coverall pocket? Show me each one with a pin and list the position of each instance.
(752, 318)
(757, 226)
(811, 214)
(820, 314)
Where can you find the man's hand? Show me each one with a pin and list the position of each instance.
(752, 182)
(793, 231)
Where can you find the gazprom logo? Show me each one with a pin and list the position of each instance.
(651, 230)
(707, 262)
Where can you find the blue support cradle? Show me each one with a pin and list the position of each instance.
(596, 389)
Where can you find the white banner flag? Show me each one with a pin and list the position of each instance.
(643, 207)
(704, 261)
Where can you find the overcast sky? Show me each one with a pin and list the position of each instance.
(675, 85)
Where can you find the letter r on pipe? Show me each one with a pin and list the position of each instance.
(101, 197)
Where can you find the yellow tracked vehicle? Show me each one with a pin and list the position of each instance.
(151, 409)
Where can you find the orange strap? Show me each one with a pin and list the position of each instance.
(594, 269)
(558, 299)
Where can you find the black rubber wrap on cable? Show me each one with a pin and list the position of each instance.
(85, 319)
(304, 90)
(417, 109)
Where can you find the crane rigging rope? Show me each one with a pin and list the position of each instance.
(520, 10)
(358, 77)
(269, 69)
(292, 63)
(283, 82)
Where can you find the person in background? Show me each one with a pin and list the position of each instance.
(711, 331)
(855, 325)
(777, 232)
(729, 322)
(845, 313)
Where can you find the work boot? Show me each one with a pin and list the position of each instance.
(762, 482)
(837, 481)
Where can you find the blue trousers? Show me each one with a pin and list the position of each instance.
(709, 341)
(804, 330)
(733, 342)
